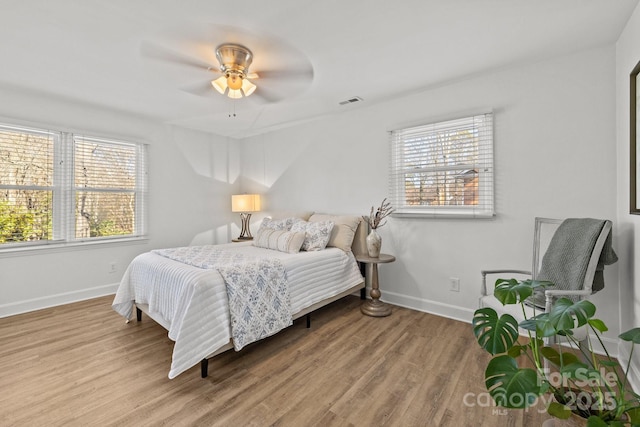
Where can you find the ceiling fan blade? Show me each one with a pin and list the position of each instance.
(160, 53)
(265, 96)
(306, 74)
(201, 89)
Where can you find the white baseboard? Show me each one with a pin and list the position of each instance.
(466, 315)
(25, 306)
(433, 307)
(634, 371)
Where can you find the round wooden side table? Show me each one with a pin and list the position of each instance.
(374, 307)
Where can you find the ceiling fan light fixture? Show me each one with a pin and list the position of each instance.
(234, 81)
(220, 84)
(234, 93)
(234, 64)
(233, 85)
(247, 87)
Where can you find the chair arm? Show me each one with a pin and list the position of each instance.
(551, 294)
(561, 292)
(485, 272)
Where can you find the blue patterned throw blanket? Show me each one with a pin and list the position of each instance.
(257, 289)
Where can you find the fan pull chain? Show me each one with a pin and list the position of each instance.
(232, 113)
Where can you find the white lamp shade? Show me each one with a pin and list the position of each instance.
(248, 87)
(234, 94)
(245, 203)
(220, 84)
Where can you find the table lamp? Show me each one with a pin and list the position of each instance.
(245, 203)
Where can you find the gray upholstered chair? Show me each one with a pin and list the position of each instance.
(570, 253)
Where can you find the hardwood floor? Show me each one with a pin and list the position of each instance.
(80, 364)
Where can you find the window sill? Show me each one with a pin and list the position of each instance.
(69, 246)
(445, 214)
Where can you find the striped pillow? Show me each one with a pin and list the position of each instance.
(280, 240)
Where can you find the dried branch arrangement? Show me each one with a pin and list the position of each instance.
(376, 220)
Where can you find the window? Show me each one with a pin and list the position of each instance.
(61, 188)
(444, 168)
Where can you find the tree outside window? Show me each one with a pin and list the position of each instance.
(43, 199)
(444, 168)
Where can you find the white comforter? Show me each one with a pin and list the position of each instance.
(192, 303)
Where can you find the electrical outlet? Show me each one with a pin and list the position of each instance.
(454, 284)
(113, 267)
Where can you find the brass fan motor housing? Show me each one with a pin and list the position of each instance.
(234, 59)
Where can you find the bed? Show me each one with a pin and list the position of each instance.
(206, 298)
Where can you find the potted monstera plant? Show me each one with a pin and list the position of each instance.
(591, 385)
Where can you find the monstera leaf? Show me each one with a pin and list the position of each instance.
(540, 324)
(511, 291)
(558, 359)
(510, 386)
(559, 410)
(599, 325)
(513, 387)
(634, 416)
(632, 335)
(495, 334)
(567, 314)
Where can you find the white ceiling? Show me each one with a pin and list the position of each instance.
(93, 51)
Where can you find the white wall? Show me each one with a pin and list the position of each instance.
(555, 148)
(627, 56)
(191, 178)
(555, 156)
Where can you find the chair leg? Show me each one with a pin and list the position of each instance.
(548, 342)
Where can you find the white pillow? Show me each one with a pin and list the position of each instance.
(278, 224)
(317, 234)
(344, 229)
(280, 240)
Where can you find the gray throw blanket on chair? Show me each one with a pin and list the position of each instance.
(566, 260)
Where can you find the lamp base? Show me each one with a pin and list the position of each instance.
(245, 232)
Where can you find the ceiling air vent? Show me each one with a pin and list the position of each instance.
(350, 100)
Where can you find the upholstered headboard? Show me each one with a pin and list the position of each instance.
(344, 227)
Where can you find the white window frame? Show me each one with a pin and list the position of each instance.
(400, 166)
(64, 193)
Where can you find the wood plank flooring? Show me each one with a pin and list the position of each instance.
(80, 364)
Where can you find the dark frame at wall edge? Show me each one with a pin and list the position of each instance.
(633, 204)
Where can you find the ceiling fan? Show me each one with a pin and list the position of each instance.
(282, 70)
(234, 62)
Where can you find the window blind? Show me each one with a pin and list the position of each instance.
(443, 168)
(26, 184)
(57, 187)
(105, 185)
